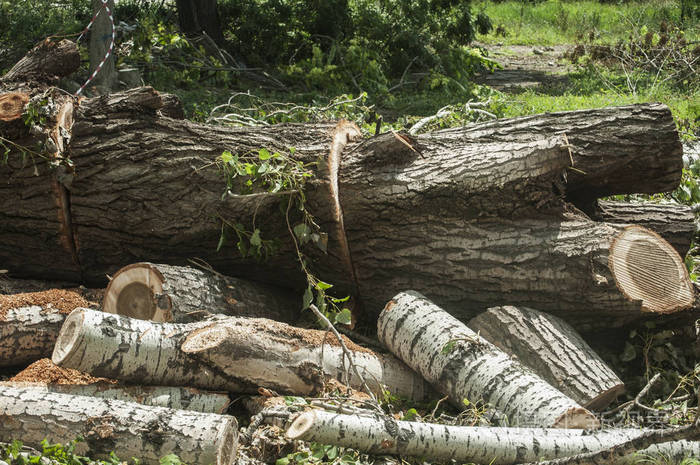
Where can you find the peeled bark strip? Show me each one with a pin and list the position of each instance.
(28, 334)
(129, 429)
(165, 293)
(593, 275)
(181, 398)
(496, 446)
(552, 349)
(228, 354)
(673, 222)
(462, 365)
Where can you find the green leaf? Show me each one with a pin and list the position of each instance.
(170, 459)
(227, 157)
(263, 168)
(308, 297)
(303, 233)
(282, 461)
(242, 248)
(222, 240)
(332, 452)
(339, 301)
(255, 238)
(323, 286)
(448, 347)
(264, 154)
(344, 317)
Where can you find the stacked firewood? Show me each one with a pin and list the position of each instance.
(498, 225)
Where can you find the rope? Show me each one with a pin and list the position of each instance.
(111, 44)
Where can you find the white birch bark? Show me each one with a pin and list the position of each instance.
(229, 354)
(554, 350)
(28, 334)
(487, 445)
(129, 429)
(181, 398)
(462, 365)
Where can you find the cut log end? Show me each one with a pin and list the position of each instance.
(605, 398)
(301, 425)
(648, 269)
(577, 417)
(67, 340)
(226, 453)
(11, 105)
(133, 292)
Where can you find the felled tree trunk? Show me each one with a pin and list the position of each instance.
(552, 349)
(180, 398)
(128, 429)
(497, 446)
(28, 334)
(462, 365)
(673, 222)
(165, 293)
(46, 62)
(229, 354)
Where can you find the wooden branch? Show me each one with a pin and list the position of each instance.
(462, 365)
(128, 429)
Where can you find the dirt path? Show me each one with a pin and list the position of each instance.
(525, 66)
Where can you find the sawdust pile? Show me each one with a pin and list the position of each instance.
(45, 371)
(64, 300)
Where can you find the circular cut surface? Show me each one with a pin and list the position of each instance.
(647, 268)
(132, 293)
(12, 105)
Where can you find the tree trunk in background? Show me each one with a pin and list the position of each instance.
(126, 428)
(462, 365)
(552, 349)
(466, 444)
(101, 34)
(197, 16)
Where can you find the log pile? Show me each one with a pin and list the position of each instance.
(497, 225)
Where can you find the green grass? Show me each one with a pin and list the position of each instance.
(565, 22)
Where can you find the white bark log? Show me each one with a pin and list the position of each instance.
(489, 445)
(28, 334)
(165, 293)
(230, 354)
(129, 429)
(418, 332)
(181, 398)
(552, 349)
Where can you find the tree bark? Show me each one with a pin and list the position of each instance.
(198, 16)
(228, 354)
(181, 398)
(673, 222)
(462, 365)
(101, 35)
(496, 446)
(128, 429)
(28, 334)
(46, 62)
(552, 349)
(165, 293)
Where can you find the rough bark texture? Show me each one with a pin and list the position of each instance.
(562, 266)
(552, 349)
(228, 354)
(181, 398)
(129, 429)
(462, 365)
(166, 293)
(28, 334)
(100, 40)
(673, 222)
(496, 446)
(47, 61)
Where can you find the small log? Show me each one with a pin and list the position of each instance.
(129, 429)
(673, 222)
(552, 349)
(462, 365)
(227, 354)
(165, 293)
(47, 61)
(28, 334)
(181, 398)
(495, 446)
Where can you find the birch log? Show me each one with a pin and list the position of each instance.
(229, 354)
(552, 349)
(28, 334)
(129, 429)
(492, 445)
(165, 293)
(181, 398)
(462, 365)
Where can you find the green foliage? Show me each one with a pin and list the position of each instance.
(15, 453)
(320, 453)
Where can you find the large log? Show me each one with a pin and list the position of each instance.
(673, 222)
(47, 61)
(227, 354)
(462, 365)
(128, 429)
(180, 398)
(495, 446)
(553, 350)
(165, 293)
